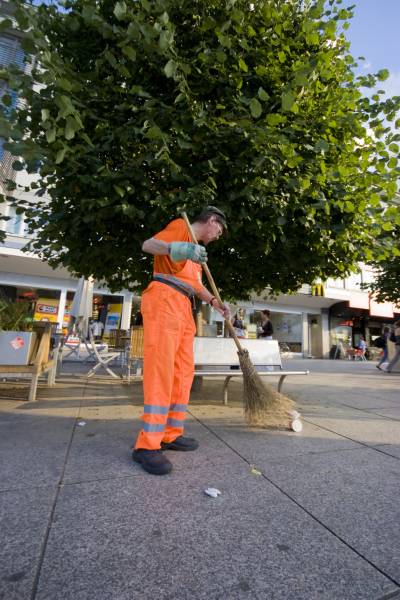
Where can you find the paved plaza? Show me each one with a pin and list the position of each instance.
(311, 515)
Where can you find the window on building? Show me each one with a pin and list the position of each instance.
(15, 224)
(11, 53)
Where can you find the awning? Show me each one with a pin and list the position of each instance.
(382, 309)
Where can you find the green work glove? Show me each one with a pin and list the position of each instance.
(187, 251)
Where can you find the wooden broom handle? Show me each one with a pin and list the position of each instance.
(212, 283)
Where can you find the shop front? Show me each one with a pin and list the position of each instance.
(356, 318)
(288, 325)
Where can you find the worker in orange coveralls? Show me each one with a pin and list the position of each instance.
(169, 330)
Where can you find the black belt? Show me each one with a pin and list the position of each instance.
(176, 287)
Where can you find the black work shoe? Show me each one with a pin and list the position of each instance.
(184, 444)
(152, 461)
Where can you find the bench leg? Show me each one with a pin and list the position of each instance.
(226, 383)
(33, 387)
(280, 383)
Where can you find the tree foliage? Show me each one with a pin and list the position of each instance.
(386, 285)
(142, 109)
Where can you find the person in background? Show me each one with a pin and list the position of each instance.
(97, 328)
(384, 345)
(360, 351)
(138, 322)
(267, 330)
(239, 325)
(169, 330)
(396, 356)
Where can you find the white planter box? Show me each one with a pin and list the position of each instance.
(16, 347)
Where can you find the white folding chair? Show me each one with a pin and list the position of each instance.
(103, 359)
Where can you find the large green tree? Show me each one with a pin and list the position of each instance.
(386, 284)
(136, 110)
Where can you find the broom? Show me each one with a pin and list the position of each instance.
(263, 406)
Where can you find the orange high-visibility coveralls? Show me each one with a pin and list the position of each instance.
(168, 346)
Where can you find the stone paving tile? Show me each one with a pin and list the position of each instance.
(24, 515)
(166, 539)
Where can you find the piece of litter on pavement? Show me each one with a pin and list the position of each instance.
(296, 426)
(213, 492)
(81, 423)
(295, 415)
(255, 470)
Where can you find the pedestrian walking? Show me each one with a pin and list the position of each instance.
(396, 356)
(382, 342)
(169, 330)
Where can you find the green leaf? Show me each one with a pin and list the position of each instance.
(275, 119)
(65, 84)
(71, 127)
(129, 52)
(170, 69)
(383, 74)
(45, 114)
(120, 10)
(51, 135)
(321, 146)
(349, 206)
(255, 108)
(60, 155)
(5, 24)
(243, 65)
(154, 133)
(17, 165)
(65, 105)
(287, 101)
(281, 57)
(119, 190)
(262, 94)
(87, 139)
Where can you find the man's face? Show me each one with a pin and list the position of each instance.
(213, 230)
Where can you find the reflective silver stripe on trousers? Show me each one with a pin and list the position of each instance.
(175, 422)
(152, 428)
(154, 409)
(178, 407)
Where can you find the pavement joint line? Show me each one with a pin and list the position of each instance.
(59, 486)
(346, 437)
(372, 412)
(29, 486)
(310, 514)
(388, 596)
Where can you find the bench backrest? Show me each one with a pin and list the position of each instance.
(222, 351)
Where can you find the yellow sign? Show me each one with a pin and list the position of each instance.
(46, 309)
(317, 289)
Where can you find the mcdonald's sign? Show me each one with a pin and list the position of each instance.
(317, 289)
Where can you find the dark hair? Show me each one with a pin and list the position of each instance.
(212, 211)
(266, 312)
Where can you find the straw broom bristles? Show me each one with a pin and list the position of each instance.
(263, 406)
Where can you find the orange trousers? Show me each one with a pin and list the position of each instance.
(167, 364)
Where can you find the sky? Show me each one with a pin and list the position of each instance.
(374, 33)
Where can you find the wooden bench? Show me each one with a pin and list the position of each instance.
(40, 362)
(216, 357)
